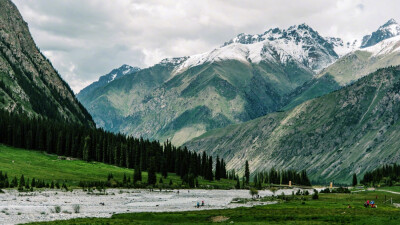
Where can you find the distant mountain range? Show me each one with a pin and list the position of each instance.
(28, 82)
(247, 77)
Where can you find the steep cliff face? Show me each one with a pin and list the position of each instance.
(352, 130)
(28, 82)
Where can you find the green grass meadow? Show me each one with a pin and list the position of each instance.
(39, 165)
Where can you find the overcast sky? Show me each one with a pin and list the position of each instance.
(85, 39)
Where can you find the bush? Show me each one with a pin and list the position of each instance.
(315, 195)
(77, 208)
(326, 190)
(253, 192)
(57, 209)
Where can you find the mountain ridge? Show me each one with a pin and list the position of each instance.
(29, 83)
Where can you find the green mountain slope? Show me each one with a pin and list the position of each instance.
(348, 131)
(28, 82)
(157, 103)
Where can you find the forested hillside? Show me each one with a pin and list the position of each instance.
(89, 144)
(28, 82)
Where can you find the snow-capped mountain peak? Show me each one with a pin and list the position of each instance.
(390, 29)
(300, 44)
(105, 79)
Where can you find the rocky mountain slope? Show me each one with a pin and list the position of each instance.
(383, 51)
(348, 131)
(28, 82)
(390, 29)
(181, 98)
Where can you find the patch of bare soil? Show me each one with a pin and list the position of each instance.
(218, 219)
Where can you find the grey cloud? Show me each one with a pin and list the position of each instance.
(88, 38)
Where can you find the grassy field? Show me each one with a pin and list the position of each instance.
(328, 209)
(34, 164)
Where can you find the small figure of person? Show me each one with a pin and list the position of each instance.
(202, 203)
(198, 205)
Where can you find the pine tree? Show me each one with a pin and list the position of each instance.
(217, 169)
(164, 167)
(27, 184)
(137, 174)
(152, 179)
(86, 149)
(247, 172)
(60, 144)
(14, 183)
(22, 181)
(355, 182)
(124, 179)
(209, 175)
(237, 183)
(33, 184)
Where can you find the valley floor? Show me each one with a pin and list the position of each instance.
(328, 209)
(22, 207)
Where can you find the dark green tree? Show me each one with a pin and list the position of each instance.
(86, 149)
(355, 182)
(137, 174)
(247, 172)
(217, 169)
(22, 181)
(152, 179)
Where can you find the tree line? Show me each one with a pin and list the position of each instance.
(387, 174)
(24, 184)
(90, 144)
(281, 177)
(271, 177)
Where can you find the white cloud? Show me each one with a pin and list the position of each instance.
(95, 36)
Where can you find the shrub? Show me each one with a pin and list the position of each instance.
(253, 192)
(315, 195)
(57, 209)
(77, 208)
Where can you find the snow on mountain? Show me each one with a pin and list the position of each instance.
(117, 73)
(113, 76)
(390, 29)
(298, 43)
(385, 47)
(105, 79)
(342, 48)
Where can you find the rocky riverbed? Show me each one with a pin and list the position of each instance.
(16, 207)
